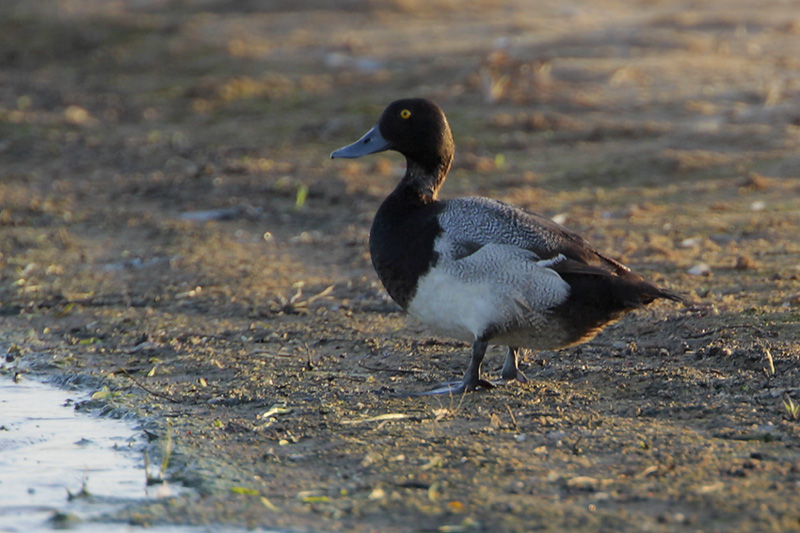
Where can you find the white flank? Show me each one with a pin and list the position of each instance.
(499, 287)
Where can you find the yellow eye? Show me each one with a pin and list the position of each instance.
(405, 113)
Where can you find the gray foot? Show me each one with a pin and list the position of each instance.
(511, 369)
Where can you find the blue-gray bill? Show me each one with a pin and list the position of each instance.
(372, 142)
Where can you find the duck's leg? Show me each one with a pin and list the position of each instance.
(472, 377)
(511, 367)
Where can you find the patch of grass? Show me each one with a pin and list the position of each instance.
(108, 395)
(166, 454)
(792, 409)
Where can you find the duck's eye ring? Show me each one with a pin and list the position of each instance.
(405, 114)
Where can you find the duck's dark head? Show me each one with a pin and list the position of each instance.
(418, 129)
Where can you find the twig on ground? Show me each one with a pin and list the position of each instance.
(392, 370)
(148, 390)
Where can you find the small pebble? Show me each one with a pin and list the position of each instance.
(793, 301)
(745, 262)
(755, 181)
(700, 269)
(692, 242)
(556, 435)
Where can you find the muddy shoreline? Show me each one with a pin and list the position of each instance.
(173, 229)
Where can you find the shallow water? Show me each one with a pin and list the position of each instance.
(48, 450)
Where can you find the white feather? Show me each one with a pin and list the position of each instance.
(497, 289)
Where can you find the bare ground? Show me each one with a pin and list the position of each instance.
(173, 229)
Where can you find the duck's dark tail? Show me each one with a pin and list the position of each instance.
(671, 295)
(614, 290)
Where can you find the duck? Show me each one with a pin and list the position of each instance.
(480, 270)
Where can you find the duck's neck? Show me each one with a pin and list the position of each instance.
(421, 183)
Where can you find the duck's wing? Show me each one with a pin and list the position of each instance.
(470, 223)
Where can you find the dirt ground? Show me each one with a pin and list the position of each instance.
(173, 229)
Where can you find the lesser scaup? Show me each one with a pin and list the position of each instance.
(481, 270)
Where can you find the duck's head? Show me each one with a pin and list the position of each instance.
(415, 127)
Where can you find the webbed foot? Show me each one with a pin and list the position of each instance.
(455, 388)
(511, 369)
(519, 376)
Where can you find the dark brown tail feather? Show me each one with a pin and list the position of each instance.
(614, 291)
(671, 295)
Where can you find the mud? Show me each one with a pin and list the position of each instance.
(172, 227)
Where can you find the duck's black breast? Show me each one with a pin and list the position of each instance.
(401, 243)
